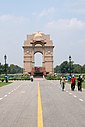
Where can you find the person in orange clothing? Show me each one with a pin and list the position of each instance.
(73, 82)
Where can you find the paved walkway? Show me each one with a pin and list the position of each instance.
(22, 101)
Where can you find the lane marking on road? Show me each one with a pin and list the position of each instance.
(66, 91)
(12, 91)
(81, 99)
(1, 98)
(9, 93)
(75, 96)
(5, 95)
(70, 93)
(40, 116)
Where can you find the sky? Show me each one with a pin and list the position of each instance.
(63, 20)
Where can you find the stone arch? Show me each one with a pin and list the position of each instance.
(37, 52)
(38, 42)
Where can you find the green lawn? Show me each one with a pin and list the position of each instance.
(83, 84)
(4, 83)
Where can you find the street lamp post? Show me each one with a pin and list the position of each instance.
(5, 57)
(70, 64)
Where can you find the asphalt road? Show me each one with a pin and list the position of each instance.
(19, 105)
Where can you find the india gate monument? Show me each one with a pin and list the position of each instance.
(38, 43)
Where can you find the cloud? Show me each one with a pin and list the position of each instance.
(47, 12)
(68, 35)
(67, 24)
(13, 30)
(69, 29)
(44, 15)
(69, 39)
(13, 18)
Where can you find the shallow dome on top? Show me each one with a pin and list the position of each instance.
(38, 35)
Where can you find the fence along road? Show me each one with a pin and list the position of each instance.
(21, 101)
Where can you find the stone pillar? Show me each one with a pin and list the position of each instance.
(43, 57)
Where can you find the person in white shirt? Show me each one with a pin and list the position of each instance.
(63, 82)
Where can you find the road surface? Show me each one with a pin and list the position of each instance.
(22, 103)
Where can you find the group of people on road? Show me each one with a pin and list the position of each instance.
(73, 82)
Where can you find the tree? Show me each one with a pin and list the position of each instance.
(64, 67)
(83, 69)
(57, 69)
(12, 69)
(77, 68)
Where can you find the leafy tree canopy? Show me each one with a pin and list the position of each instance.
(12, 69)
(65, 67)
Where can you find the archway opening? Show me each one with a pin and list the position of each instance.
(38, 58)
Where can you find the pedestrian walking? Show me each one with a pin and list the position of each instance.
(31, 78)
(79, 83)
(73, 82)
(63, 82)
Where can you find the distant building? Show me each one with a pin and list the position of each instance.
(38, 42)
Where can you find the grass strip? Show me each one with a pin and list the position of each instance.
(4, 83)
(83, 84)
